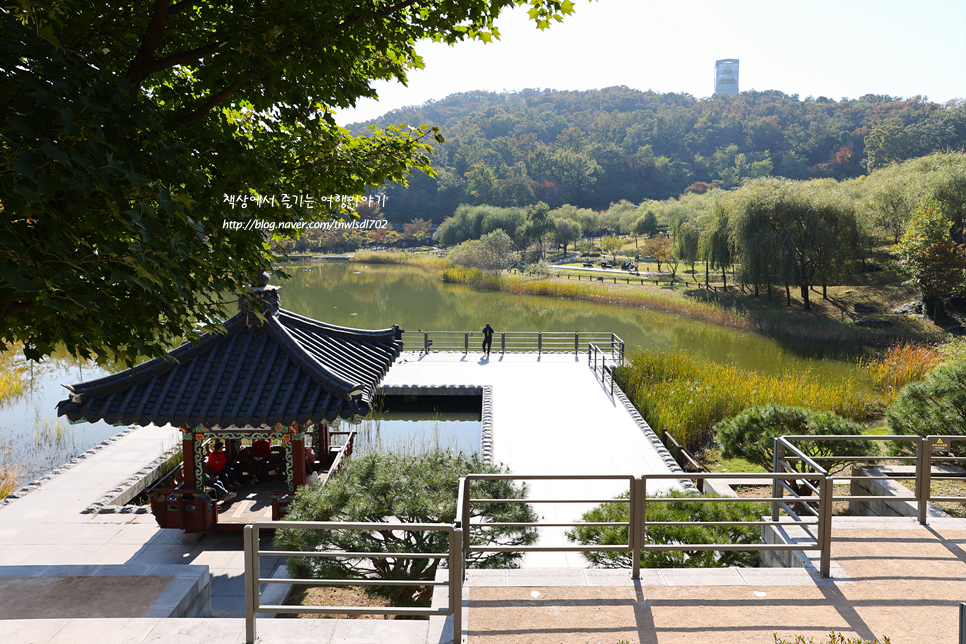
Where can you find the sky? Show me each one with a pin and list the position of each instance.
(832, 48)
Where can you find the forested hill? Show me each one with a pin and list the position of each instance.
(592, 148)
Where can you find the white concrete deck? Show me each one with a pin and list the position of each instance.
(551, 415)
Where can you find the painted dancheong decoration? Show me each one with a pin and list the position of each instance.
(271, 375)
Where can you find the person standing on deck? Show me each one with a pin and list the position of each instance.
(487, 339)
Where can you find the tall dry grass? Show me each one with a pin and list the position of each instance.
(901, 364)
(688, 397)
(427, 261)
(11, 373)
(8, 480)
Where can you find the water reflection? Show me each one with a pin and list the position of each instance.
(381, 295)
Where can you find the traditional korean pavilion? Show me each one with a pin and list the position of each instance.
(271, 374)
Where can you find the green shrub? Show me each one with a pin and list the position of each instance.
(751, 434)
(411, 488)
(935, 405)
(673, 511)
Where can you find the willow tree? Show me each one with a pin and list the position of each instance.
(795, 231)
(131, 129)
(715, 244)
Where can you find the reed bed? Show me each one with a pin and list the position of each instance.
(427, 261)
(9, 475)
(688, 397)
(11, 373)
(901, 364)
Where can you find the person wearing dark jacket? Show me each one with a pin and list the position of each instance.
(487, 338)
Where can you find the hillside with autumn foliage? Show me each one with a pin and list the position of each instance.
(594, 148)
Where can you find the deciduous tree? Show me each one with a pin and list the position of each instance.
(131, 130)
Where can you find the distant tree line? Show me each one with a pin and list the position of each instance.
(592, 148)
(769, 233)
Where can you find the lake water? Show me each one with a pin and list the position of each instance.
(377, 296)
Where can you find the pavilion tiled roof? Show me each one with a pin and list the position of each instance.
(283, 369)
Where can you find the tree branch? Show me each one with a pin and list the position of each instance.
(137, 71)
(181, 58)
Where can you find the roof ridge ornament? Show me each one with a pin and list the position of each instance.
(264, 302)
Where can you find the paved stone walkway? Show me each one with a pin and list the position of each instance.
(896, 579)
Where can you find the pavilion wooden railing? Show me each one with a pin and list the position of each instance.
(176, 507)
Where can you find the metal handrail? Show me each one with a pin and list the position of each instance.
(253, 553)
(597, 355)
(923, 459)
(521, 341)
(637, 523)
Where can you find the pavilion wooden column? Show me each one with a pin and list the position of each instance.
(188, 459)
(298, 462)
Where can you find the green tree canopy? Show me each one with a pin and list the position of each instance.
(935, 264)
(393, 488)
(131, 129)
(934, 405)
(674, 511)
(751, 434)
(492, 252)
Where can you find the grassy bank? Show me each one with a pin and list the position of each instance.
(826, 322)
(677, 392)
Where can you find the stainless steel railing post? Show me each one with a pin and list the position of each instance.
(777, 489)
(456, 583)
(924, 465)
(825, 520)
(250, 535)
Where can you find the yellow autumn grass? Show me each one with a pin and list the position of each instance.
(678, 392)
(900, 364)
(8, 480)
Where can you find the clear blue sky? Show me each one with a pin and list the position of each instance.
(832, 48)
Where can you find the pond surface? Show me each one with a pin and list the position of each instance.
(377, 296)
(34, 440)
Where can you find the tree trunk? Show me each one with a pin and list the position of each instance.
(706, 285)
(788, 295)
(806, 305)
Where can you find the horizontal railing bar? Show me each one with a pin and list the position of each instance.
(900, 477)
(550, 548)
(945, 498)
(548, 525)
(725, 499)
(863, 458)
(336, 525)
(348, 610)
(668, 524)
(730, 475)
(549, 501)
(729, 546)
(851, 437)
(352, 582)
(874, 498)
(354, 555)
(561, 477)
